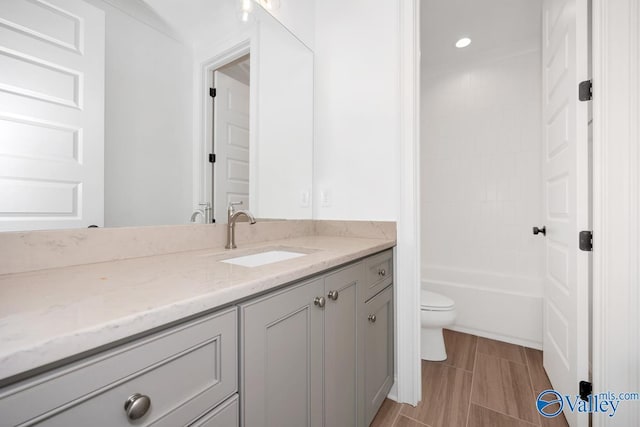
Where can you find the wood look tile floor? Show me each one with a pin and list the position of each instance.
(483, 383)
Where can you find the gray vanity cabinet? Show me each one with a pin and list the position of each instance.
(300, 349)
(377, 325)
(343, 345)
(170, 378)
(376, 321)
(281, 357)
(226, 414)
(318, 353)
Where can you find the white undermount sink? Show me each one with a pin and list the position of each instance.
(263, 258)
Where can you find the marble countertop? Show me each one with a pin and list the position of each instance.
(50, 315)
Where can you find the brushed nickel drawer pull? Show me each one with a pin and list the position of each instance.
(137, 405)
(319, 301)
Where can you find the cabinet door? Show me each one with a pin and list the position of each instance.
(377, 320)
(282, 347)
(341, 347)
(225, 415)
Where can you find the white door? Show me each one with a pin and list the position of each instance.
(230, 145)
(51, 114)
(566, 196)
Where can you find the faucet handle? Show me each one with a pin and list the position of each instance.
(231, 208)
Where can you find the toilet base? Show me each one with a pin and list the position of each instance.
(432, 345)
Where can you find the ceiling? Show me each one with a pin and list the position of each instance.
(500, 26)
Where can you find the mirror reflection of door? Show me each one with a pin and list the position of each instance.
(231, 137)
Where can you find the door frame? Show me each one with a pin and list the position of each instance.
(616, 204)
(234, 49)
(616, 213)
(408, 385)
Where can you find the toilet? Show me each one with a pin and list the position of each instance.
(436, 312)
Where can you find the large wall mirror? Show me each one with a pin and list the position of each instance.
(108, 117)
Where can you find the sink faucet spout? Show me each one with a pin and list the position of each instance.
(231, 225)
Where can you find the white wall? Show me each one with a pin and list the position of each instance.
(298, 16)
(282, 174)
(481, 192)
(357, 112)
(148, 123)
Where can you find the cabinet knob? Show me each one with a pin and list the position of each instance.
(137, 405)
(319, 301)
(333, 295)
(372, 318)
(382, 272)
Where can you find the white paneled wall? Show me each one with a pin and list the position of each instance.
(481, 193)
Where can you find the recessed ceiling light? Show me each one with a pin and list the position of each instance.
(463, 42)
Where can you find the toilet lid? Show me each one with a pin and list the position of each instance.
(433, 301)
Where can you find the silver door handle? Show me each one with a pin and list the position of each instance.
(319, 301)
(333, 295)
(372, 318)
(382, 272)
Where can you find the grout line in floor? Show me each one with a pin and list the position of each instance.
(457, 367)
(393, 422)
(473, 375)
(526, 357)
(413, 419)
(507, 415)
(509, 360)
(530, 389)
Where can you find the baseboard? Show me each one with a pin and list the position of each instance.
(498, 337)
(393, 393)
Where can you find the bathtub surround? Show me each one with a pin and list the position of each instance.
(481, 187)
(83, 307)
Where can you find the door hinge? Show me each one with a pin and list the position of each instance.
(585, 90)
(585, 388)
(212, 92)
(212, 158)
(585, 240)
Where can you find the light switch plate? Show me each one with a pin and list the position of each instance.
(325, 198)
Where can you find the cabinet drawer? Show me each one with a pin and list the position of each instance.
(225, 415)
(378, 273)
(184, 371)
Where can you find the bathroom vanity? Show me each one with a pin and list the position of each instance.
(305, 341)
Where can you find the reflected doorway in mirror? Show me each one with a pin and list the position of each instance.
(230, 168)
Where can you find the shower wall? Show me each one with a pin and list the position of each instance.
(481, 192)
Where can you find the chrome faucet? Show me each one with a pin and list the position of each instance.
(232, 217)
(206, 212)
(195, 214)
